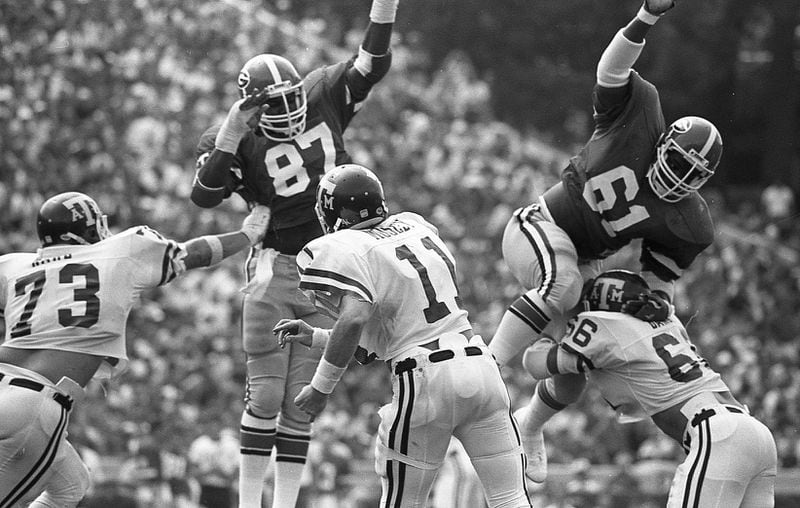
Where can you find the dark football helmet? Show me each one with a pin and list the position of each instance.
(285, 115)
(350, 195)
(611, 289)
(687, 155)
(72, 218)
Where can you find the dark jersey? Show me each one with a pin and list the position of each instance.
(284, 175)
(604, 201)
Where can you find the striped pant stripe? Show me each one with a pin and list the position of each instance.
(545, 255)
(398, 440)
(41, 466)
(697, 473)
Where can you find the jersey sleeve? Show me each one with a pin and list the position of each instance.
(592, 344)
(690, 231)
(328, 85)
(329, 270)
(159, 259)
(205, 146)
(617, 104)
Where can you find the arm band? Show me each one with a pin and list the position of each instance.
(646, 17)
(383, 11)
(319, 337)
(215, 244)
(326, 376)
(201, 185)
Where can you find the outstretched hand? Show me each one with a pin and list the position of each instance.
(289, 331)
(648, 307)
(658, 7)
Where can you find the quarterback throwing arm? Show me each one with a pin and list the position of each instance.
(651, 369)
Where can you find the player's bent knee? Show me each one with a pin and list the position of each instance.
(502, 476)
(265, 396)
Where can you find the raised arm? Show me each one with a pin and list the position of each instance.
(212, 177)
(374, 56)
(616, 62)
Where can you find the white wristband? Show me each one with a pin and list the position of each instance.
(319, 337)
(646, 17)
(383, 11)
(326, 376)
(215, 244)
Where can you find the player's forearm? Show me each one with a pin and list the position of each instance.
(210, 250)
(536, 357)
(379, 32)
(208, 189)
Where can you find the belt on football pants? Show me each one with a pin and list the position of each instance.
(705, 414)
(64, 401)
(439, 355)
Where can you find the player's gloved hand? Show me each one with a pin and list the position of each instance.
(293, 330)
(648, 307)
(255, 225)
(242, 117)
(658, 7)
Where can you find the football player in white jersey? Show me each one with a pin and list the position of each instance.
(65, 309)
(390, 283)
(650, 368)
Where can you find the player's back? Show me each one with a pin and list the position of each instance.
(78, 297)
(641, 368)
(407, 272)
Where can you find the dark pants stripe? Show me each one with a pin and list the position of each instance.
(545, 255)
(41, 466)
(398, 439)
(697, 473)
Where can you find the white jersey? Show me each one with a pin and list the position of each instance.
(402, 267)
(641, 368)
(78, 297)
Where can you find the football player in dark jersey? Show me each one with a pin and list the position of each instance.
(634, 179)
(273, 147)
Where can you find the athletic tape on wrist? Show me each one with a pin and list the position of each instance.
(215, 244)
(319, 337)
(383, 11)
(326, 376)
(228, 137)
(646, 17)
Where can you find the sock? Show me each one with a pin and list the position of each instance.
(291, 450)
(541, 408)
(257, 438)
(521, 324)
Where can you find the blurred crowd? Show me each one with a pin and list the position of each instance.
(84, 107)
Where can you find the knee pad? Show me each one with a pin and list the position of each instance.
(264, 396)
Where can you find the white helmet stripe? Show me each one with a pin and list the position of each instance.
(712, 136)
(273, 69)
